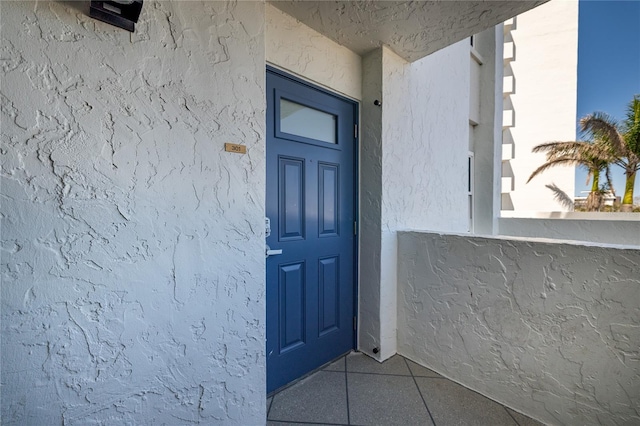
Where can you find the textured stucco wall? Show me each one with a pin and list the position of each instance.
(425, 141)
(550, 329)
(544, 101)
(298, 49)
(132, 244)
(419, 145)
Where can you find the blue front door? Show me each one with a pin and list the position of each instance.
(310, 204)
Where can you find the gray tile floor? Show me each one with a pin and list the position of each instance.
(357, 390)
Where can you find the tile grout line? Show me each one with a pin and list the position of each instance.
(308, 423)
(415, 382)
(472, 390)
(511, 415)
(482, 396)
(346, 385)
(270, 405)
(394, 375)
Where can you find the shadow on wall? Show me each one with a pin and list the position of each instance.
(80, 6)
(507, 203)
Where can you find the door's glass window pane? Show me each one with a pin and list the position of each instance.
(307, 122)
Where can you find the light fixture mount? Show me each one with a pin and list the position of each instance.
(121, 13)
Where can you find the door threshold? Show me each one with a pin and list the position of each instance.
(323, 366)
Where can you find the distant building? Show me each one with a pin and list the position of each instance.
(540, 102)
(608, 199)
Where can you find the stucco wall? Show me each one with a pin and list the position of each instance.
(550, 329)
(420, 149)
(300, 50)
(370, 204)
(425, 140)
(132, 244)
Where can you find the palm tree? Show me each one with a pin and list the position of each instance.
(624, 140)
(594, 156)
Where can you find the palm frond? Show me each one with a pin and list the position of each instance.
(589, 176)
(594, 156)
(562, 161)
(592, 151)
(558, 146)
(605, 128)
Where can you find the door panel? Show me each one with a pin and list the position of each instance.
(291, 195)
(329, 301)
(311, 205)
(328, 200)
(292, 315)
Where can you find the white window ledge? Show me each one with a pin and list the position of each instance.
(617, 216)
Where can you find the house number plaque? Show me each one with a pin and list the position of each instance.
(238, 149)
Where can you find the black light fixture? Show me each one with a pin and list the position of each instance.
(121, 13)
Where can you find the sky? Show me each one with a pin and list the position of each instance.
(608, 67)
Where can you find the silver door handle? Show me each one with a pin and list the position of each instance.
(270, 252)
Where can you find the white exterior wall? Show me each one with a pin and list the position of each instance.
(425, 140)
(549, 329)
(487, 133)
(370, 204)
(542, 103)
(299, 50)
(420, 149)
(132, 244)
